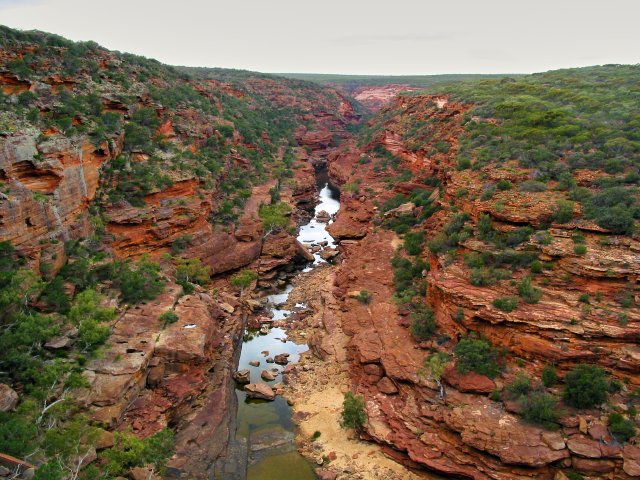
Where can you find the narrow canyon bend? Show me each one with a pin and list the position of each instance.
(197, 265)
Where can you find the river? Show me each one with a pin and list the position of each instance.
(266, 428)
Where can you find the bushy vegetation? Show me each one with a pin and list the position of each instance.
(243, 279)
(586, 386)
(558, 122)
(452, 234)
(475, 354)
(506, 304)
(541, 408)
(274, 217)
(549, 375)
(47, 425)
(423, 323)
(623, 429)
(353, 413)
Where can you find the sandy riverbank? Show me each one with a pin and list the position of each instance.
(317, 390)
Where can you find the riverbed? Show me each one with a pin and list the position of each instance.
(266, 428)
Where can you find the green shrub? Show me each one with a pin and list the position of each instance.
(353, 412)
(168, 317)
(532, 186)
(504, 185)
(192, 270)
(137, 281)
(482, 277)
(528, 292)
(586, 386)
(16, 433)
(580, 249)
(623, 429)
(541, 409)
(506, 304)
(364, 297)
(88, 315)
(464, 163)
(518, 387)
(274, 217)
(536, 266)
(549, 375)
(130, 451)
(488, 193)
(244, 279)
(563, 211)
(423, 323)
(413, 242)
(477, 355)
(180, 243)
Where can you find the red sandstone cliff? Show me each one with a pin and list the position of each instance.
(467, 434)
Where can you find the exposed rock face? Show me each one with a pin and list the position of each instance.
(49, 185)
(376, 97)
(466, 434)
(8, 398)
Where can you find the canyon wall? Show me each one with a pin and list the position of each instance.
(469, 429)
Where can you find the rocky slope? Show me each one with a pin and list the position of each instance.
(414, 156)
(108, 158)
(498, 216)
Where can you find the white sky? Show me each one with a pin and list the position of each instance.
(349, 36)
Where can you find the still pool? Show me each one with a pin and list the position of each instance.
(267, 427)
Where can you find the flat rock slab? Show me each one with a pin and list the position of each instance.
(260, 390)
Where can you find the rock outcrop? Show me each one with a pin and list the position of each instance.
(466, 433)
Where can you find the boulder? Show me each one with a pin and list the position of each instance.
(254, 363)
(58, 343)
(323, 216)
(386, 386)
(260, 390)
(471, 382)
(404, 209)
(631, 456)
(326, 474)
(329, 253)
(267, 376)
(242, 376)
(8, 398)
(143, 473)
(281, 359)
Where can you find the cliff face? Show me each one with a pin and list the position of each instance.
(128, 158)
(518, 220)
(65, 121)
(413, 146)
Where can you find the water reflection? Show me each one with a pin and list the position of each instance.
(268, 426)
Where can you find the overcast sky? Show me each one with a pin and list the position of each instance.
(349, 36)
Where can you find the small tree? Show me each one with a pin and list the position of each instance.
(87, 314)
(436, 365)
(353, 412)
(274, 217)
(585, 386)
(243, 279)
(563, 211)
(193, 271)
(521, 386)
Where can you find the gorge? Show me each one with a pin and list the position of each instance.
(198, 265)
